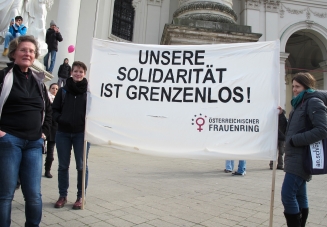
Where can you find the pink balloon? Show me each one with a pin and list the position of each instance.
(71, 49)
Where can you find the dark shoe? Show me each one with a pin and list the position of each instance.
(61, 202)
(17, 185)
(47, 167)
(47, 174)
(293, 220)
(227, 171)
(270, 167)
(239, 174)
(78, 204)
(280, 167)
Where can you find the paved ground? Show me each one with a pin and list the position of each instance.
(127, 189)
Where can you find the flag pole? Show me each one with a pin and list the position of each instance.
(272, 198)
(83, 174)
(85, 142)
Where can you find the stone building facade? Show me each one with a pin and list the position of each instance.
(300, 25)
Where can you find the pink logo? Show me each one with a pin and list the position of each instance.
(199, 121)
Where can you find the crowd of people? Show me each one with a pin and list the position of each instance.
(30, 115)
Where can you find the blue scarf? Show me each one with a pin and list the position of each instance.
(296, 100)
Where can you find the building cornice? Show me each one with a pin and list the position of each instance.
(155, 2)
(271, 5)
(314, 3)
(303, 10)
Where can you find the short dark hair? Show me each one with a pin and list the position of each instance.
(305, 79)
(79, 64)
(18, 17)
(52, 85)
(24, 38)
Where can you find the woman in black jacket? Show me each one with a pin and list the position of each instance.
(294, 189)
(24, 124)
(53, 89)
(69, 109)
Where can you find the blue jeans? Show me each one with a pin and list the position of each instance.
(8, 38)
(229, 165)
(20, 158)
(53, 54)
(294, 194)
(64, 144)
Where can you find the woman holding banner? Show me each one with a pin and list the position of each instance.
(294, 192)
(69, 109)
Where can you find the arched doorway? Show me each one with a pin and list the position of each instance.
(305, 55)
(306, 45)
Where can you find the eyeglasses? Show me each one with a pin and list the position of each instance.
(27, 51)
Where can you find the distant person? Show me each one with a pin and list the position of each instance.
(25, 123)
(52, 37)
(282, 124)
(69, 110)
(16, 29)
(53, 89)
(63, 73)
(229, 167)
(294, 189)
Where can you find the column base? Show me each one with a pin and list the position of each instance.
(193, 32)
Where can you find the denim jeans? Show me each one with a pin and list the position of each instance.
(229, 165)
(8, 38)
(64, 144)
(53, 54)
(294, 194)
(20, 158)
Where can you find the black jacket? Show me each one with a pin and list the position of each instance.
(317, 114)
(46, 112)
(282, 124)
(52, 38)
(53, 131)
(69, 112)
(64, 71)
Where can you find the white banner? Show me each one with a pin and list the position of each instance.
(187, 101)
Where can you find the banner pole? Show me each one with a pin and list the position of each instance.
(272, 198)
(83, 174)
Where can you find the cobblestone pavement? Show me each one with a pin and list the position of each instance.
(127, 189)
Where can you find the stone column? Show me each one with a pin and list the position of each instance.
(206, 22)
(282, 74)
(272, 15)
(68, 15)
(146, 23)
(251, 14)
(141, 9)
(214, 10)
(323, 66)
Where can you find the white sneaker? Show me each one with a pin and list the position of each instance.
(239, 174)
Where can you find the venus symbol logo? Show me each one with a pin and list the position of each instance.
(199, 121)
